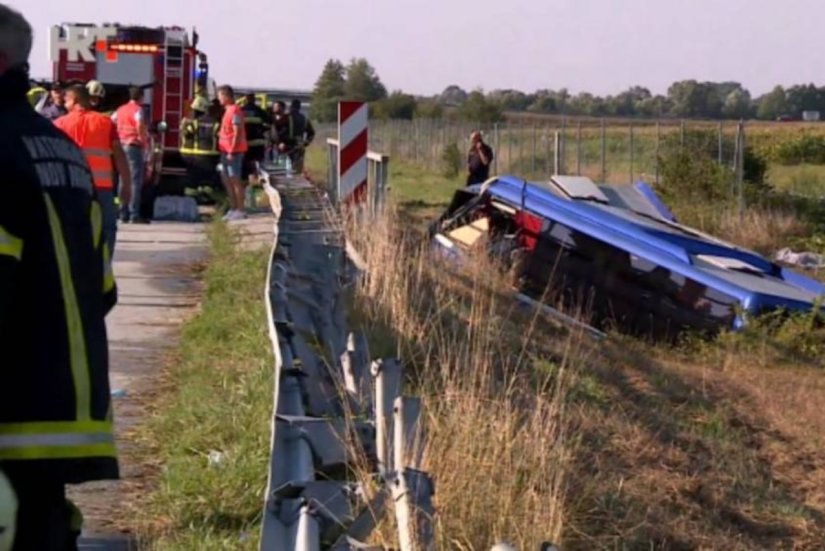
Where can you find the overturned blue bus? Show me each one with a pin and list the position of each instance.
(618, 254)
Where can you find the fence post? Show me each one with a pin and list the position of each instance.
(604, 153)
(563, 146)
(556, 155)
(632, 153)
(533, 159)
(740, 169)
(579, 149)
(509, 148)
(720, 157)
(497, 152)
(682, 134)
(658, 141)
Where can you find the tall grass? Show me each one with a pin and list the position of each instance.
(492, 385)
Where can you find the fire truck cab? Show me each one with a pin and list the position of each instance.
(164, 61)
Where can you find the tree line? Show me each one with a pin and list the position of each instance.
(684, 99)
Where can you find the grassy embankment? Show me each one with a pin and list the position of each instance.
(533, 433)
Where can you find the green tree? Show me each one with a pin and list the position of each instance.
(328, 91)
(737, 104)
(453, 95)
(510, 100)
(695, 99)
(772, 105)
(478, 109)
(397, 105)
(362, 83)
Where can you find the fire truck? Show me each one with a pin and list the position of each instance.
(164, 61)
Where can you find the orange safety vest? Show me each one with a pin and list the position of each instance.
(127, 126)
(227, 132)
(93, 133)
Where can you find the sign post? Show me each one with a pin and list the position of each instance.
(353, 140)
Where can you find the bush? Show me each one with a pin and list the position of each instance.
(687, 177)
(804, 148)
(450, 161)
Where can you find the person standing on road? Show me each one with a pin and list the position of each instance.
(131, 130)
(56, 287)
(96, 136)
(256, 121)
(301, 134)
(232, 144)
(56, 107)
(478, 160)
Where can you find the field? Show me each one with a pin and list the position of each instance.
(535, 433)
(714, 445)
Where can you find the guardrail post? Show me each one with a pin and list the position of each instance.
(406, 435)
(307, 537)
(387, 374)
(412, 492)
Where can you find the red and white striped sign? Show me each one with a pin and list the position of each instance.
(352, 151)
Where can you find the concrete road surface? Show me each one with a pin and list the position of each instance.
(157, 291)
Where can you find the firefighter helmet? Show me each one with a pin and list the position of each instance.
(201, 104)
(96, 89)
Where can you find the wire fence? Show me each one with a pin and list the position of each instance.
(608, 151)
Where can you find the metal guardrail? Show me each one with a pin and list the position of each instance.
(332, 405)
(378, 174)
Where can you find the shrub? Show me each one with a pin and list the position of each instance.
(450, 161)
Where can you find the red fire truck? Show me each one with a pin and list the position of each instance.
(164, 61)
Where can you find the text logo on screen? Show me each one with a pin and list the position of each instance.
(80, 43)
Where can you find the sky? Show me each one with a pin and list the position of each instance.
(422, 46)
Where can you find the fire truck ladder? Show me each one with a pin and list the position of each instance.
(173, 81)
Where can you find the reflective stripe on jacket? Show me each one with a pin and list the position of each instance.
(56, 287)
(199, 136)
(93, 133)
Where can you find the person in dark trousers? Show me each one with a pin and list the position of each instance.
(478, 160)
(199, 144)
(56, 107)
(56, 287)
(256, 122)
(300, 134)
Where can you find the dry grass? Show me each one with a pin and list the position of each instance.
(762, 229)
(494, 406)
(535, 434)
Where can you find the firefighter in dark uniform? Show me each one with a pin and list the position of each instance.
(56, 287)
(256, 121)
(199, 145)
(300, 135)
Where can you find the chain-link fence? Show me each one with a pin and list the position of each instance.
(605, 151)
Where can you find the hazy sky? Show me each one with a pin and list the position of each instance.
(421, 46)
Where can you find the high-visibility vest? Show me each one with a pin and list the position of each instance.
(128, 129)
(93, 133)
(228, 130)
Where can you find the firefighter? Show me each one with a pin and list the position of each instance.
(256, 122)
(55, 107)
(199, 144)
(301, 134)
(56, 287)
(97, 136)
(97, 92)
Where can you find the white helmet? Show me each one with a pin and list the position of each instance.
(96, 89)
(8, 513)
